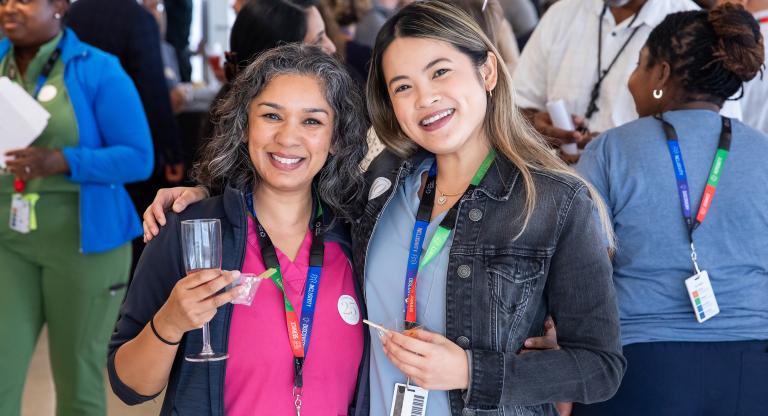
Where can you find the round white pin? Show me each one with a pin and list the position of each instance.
(348, 309)
(47, 93)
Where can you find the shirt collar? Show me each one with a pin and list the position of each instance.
(652, 13)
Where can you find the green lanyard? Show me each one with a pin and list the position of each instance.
(423, 215)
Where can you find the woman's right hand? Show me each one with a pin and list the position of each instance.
(177, 198)
(193, 302)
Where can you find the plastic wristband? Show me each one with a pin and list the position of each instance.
(165, 341)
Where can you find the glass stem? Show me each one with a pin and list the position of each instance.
(207, 350)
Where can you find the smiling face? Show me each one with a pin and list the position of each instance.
(438, 95)
(29, 23)
(290, 125)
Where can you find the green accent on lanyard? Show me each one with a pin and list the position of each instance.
(717, 167)
(277, 278)
(441, 235)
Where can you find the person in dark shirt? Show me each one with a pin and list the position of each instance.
(125, 29)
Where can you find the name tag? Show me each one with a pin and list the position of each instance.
(409, 400)
(22, 217)
(20, 210)
(702, 296)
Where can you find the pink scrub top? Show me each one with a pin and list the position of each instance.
(259, 373)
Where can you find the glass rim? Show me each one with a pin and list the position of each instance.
(202, 221)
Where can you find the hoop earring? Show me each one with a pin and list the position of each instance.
(490, 93)
(657, 94)
(57, 16)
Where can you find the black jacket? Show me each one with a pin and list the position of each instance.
(124, 29)
(195, 389)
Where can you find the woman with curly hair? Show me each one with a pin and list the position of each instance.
(284, 162)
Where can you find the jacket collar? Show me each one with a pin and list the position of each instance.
(70, 48)
(497, 184)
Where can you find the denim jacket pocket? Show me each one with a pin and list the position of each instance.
(514, 284)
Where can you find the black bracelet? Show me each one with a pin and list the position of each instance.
(165, 341)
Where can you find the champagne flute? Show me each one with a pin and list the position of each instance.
(201, 249)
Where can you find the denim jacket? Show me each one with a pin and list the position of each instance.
(193, 388)
(500, 289)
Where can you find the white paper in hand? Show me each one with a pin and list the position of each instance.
(22, 118)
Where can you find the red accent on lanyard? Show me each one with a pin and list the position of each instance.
(18, 185)
(294, 333)
(763, 20)
(410, 312)
(706, 202)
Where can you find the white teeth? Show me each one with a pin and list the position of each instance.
(286, 161)
(436, 117)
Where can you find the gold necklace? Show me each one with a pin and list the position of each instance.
(443, 198)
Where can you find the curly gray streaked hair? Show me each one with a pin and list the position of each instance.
(225, 161)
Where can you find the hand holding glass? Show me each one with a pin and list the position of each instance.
(201, 249)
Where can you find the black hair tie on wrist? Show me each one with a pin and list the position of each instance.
(165, 341)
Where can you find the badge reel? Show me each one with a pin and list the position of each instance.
(700, 292)
(22, 218)
(408, 399)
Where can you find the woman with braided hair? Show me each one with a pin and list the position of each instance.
(691, 268)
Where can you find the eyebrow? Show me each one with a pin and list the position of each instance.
(429, 65)
(306, 110)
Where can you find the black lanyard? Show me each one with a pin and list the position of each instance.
(595, 94)
(299, 332)
(45, 72)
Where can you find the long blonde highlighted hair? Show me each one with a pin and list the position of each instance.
(505, 127)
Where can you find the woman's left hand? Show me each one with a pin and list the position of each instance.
(36, 162)
(430, 360)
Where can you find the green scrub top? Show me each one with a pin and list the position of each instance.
(62, 130)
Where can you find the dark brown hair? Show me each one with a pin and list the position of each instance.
(711, 53)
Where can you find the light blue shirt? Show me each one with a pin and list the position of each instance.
(631, 168)
(384, 289)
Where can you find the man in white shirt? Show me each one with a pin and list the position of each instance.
(560, 61)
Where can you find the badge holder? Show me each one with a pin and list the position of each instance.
(409, 400)
(23, 218)
(700, 292)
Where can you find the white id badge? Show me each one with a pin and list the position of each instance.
(702, 296)
(408, 400)
(21, 209)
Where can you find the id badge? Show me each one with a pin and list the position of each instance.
(702, 296)
(21, 209)
(408, 400)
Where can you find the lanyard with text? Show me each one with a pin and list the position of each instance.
(299, 331)
(723, 147)
(415, 262)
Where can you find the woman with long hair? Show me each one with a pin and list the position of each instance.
(473, 232)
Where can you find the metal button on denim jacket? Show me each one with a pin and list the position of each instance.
(502, 283)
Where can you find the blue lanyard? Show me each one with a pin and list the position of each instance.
(269, 255)
(423, 215)
(683, 190)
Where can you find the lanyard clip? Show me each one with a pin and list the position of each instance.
(694, 257)
(297, 400)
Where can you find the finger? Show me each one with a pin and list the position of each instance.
(198, 278)
(224, 298)
(188, 196)
(409, 370)
(427, 336)
(540, 343)
(409, 343)
(158, 208)
(150, 222)
(213, 286)
(147, 235)
(404, 355)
